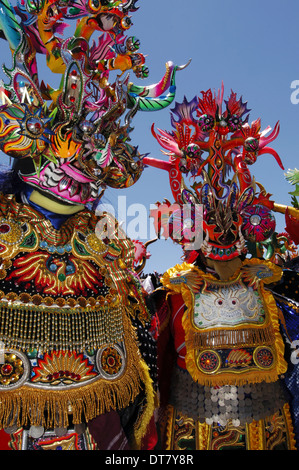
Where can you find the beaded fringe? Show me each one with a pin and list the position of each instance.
(28, 327)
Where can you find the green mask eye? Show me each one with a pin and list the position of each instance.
(34, 6)
(133, 44)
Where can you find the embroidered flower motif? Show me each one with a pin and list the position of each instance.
(111, 361)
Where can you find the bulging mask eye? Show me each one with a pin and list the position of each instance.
(97, 4)
(34, 6)
(193, 151)
(34, 126)
(234, 123)
(94, 5)
(141, 72)
(126, 22)
(251, 144)
(206, 122)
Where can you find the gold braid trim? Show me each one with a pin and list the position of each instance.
(274, 314)
(255, 432)
(289, 426)
(229, 378)
(50, 408)
(255, 435)
(168, 428)
(189, 277)
(203, 436)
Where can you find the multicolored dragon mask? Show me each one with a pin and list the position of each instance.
(71, 142)
(210, 150)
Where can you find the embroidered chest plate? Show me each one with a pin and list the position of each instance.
(65, 319)
(232, 335)
(234, 304)
(231, 327)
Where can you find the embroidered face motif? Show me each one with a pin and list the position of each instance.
(227, 305)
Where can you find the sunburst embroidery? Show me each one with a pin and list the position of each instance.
(63, 368)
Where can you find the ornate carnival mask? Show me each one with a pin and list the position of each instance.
(69, 143)
(213, 144)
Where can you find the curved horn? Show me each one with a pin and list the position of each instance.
(9, 25)
(142, 263)
(150, 97)
(266, 140)
(153, 91)
(272, 152)
(156, 90)
(182, 67)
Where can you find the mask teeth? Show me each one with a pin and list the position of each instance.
(94, 190)
(52, 180)
(64, 183)
(53, 175)
(73, 188)
(85, 192)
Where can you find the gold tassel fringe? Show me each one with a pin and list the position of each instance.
(227, 338)
(29, 405)
(143, 421)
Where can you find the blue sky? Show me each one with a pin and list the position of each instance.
(253, 47)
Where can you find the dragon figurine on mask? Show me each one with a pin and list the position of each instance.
(78, 368)
(229, 380)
